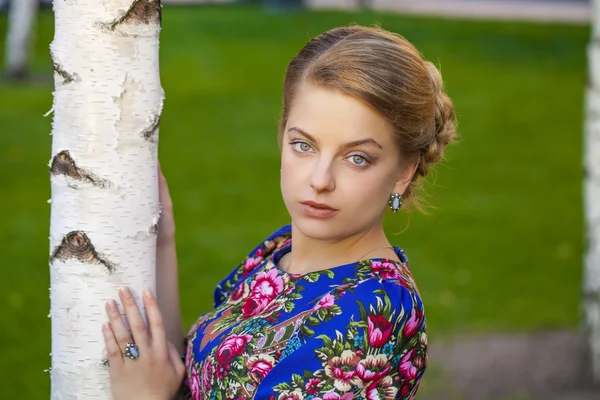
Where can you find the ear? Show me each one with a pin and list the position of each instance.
(405, 175)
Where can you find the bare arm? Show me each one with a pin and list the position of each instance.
(167, 292)
(167, 281)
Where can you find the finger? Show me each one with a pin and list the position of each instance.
(134, 318)
(176, 360)
(156, 323)
(115, 357)
(119, 330)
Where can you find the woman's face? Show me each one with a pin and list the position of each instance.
(339, 164)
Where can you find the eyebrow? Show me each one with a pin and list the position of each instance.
(345, 146)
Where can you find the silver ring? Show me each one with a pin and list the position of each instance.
(132, 351)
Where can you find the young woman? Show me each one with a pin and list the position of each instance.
(324, 308)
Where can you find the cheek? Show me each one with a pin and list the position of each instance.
(365, 190)
(369, 190)
(288, 173)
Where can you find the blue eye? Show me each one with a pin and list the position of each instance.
(301, 147)
(304, 146)
(358, 160)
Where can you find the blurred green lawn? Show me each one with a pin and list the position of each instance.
(502, 250)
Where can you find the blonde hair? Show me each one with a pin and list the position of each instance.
(388, 73)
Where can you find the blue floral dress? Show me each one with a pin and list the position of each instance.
(356, 331)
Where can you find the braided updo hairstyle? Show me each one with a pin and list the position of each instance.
(388, 73)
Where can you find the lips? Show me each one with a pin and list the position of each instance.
(317, 210)
(320, 206)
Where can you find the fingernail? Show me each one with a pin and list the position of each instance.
(148, 293)
(125, 292)
(106, 327)
(111, 305)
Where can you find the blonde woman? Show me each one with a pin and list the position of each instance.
(325, 308)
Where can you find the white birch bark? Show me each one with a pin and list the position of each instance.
(107, 105)
(21, 16)
(592, 199)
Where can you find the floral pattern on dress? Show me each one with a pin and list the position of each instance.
(356, 331)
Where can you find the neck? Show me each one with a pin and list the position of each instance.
(309, 254)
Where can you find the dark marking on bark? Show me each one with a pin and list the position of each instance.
(67, 77)
(141, 12)
(63, 164)
(105, 363)
(77, 245)
(153, 229)
(150, 132)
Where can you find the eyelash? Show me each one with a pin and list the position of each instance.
(366, 159)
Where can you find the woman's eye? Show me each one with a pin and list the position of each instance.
(302, 147)
(358, 160)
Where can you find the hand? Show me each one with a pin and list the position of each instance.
(166, 224)
(158, 371)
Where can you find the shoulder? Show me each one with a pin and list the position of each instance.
(251, 262)
(363, 337)
(387, 310)
(274, 241)
(387, 275)
(387, 301)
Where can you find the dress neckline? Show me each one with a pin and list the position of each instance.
(283, 250)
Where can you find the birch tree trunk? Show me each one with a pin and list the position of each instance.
(107, 106)
(592, 199)
(21, 16)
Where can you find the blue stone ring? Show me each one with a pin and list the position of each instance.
(132, 351)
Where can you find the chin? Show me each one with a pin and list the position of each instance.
(321, 229)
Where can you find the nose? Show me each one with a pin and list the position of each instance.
(321, 178)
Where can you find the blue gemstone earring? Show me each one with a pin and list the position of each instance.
(395, 201)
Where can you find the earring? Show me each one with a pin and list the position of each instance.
(395, 201)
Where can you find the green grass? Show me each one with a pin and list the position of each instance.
(502, 250)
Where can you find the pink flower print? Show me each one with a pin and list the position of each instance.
(251, 263)
(325, 302)
(413, 323)
(312, 386)
(194, 382)
(295, 395)
(406, 368)
(373, 368)
(238, 294)
(386, 270)
(382, 389)
(263, 290)
(267, 284)
(232, 347)
(342, 369)
(335, 396)
(207, 375)
(253, 306)
(222, 370)
(259, 367)
(379, 330)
